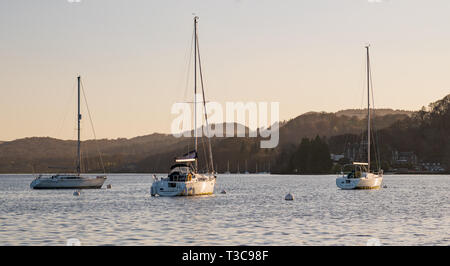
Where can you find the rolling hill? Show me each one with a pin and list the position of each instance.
(155, 152)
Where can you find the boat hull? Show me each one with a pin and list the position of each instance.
(78, 183)
(371, 181)
(166, 188)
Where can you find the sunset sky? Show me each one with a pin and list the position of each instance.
(132, 56)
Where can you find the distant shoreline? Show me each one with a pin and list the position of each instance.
(419, 173)
(137, 173)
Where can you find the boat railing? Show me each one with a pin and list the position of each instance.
(379, 172)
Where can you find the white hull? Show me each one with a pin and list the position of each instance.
(201, 185)
(367, 181)
(75, 182)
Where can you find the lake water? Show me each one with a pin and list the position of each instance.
(412, 210)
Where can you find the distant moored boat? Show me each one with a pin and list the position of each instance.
(70, 181)
(358, 175)
(184, 178)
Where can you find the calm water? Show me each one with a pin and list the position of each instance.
(413, 210)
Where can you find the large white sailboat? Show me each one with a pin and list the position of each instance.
(184, 178)
(359, 175)
(70, 181)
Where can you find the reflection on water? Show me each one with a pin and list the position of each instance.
(413, 210)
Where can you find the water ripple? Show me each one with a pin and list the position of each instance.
(413, 210)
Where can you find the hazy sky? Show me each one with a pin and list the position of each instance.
(132, 56)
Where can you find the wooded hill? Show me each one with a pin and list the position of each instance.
(156, 152)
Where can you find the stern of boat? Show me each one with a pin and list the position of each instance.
(167, 189)
(347, 183)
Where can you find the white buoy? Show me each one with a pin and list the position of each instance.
(77, 193)
(223, 192)
(108, 186)
(289, 196)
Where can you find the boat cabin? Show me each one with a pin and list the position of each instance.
(181, 172)
(354, 170)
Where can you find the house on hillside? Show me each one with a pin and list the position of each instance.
(356, 151)
(336, 157)
(433, 167)
(404, 158)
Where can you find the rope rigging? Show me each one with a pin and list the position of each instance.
(204, 106)
(93, 129)
(375, 134)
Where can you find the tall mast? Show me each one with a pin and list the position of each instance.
(79, 119)
(195, 86)
(368, 109)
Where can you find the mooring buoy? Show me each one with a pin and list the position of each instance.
(289, 196)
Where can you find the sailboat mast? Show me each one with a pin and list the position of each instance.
(368, 109)
(195, 86)
(204, 104)
(78, 118)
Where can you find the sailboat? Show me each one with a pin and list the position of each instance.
(358, 175)
(246, 172)
(261, 172)
(228, 168)
(184, 178)
(70, 181)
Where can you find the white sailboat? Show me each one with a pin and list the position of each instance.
(228, 168)
(359, 175)
(70, 181)
(184, 178)
(246, 172)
